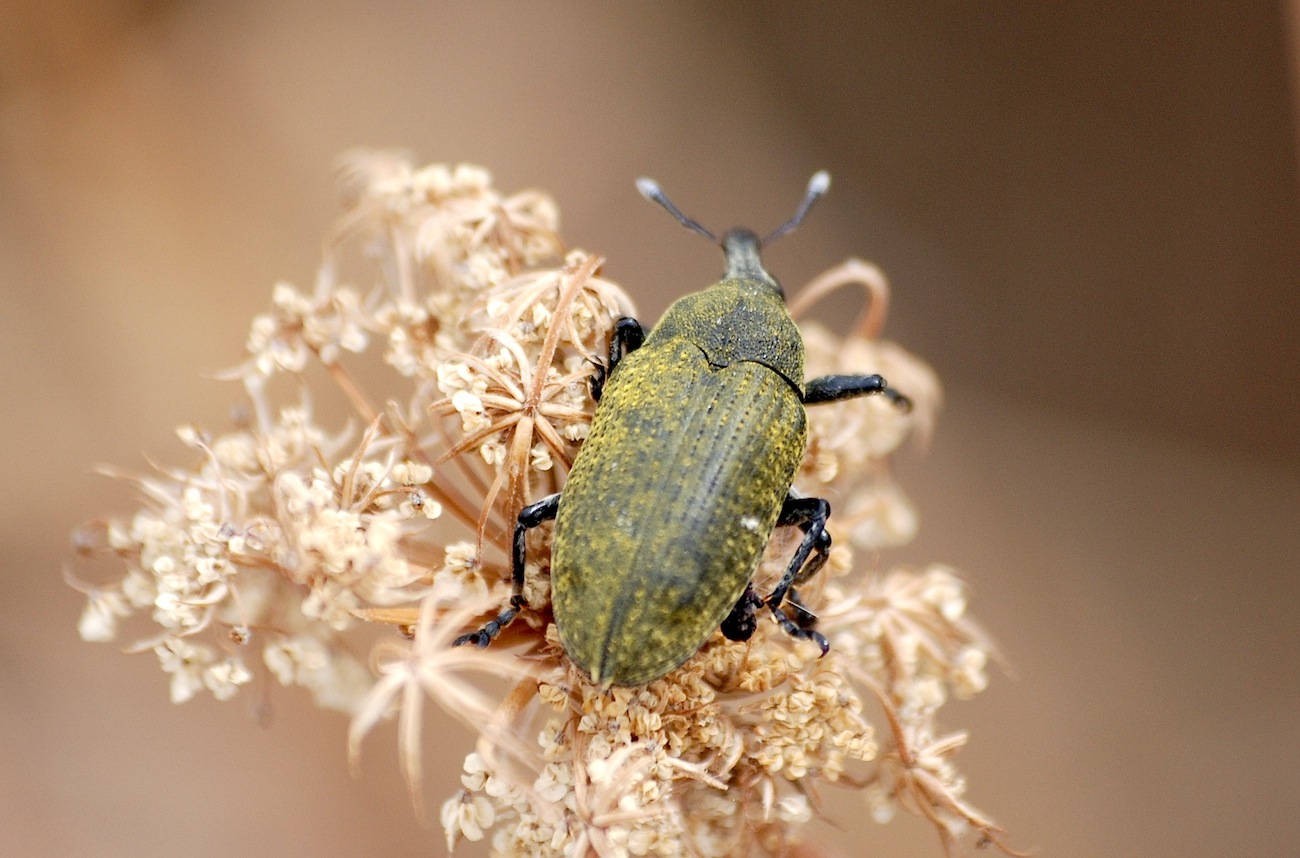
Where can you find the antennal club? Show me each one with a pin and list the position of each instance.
(817, 186)
(650, 189)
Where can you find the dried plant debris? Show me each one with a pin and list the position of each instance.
(285, 543)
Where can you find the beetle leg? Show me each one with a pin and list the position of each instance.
(804, 618)
(529, 517)
(810, 515)
(596, 381)
(795, 630)
(627, 337)
(741, 622)
(832, 388)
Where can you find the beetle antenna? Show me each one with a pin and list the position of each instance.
(650, 189)
(817, 186)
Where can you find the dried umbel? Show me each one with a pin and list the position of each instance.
(285, 544)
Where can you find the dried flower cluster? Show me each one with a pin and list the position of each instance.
(283, 542)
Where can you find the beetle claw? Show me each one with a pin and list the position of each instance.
(814, 636)
(900, 400)
(820, 639)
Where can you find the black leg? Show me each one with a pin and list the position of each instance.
(803, 617)
(529, 517)
(832, 388)
(627, 337)
(810, 515)
(741, 622)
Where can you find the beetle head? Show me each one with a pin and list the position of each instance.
(744, 257)
(742, 246)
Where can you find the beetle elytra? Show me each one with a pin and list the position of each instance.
(673, 496)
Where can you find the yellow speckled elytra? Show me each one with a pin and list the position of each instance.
(687, 469)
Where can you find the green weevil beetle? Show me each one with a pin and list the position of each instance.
(699, 429)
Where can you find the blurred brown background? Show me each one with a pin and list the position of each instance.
(1089, 214)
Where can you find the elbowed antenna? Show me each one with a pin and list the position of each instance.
(817, 186)
(650, 189)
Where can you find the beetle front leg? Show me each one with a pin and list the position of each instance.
(832, 388)
(529, 517)
(810, 514)
(627, 337)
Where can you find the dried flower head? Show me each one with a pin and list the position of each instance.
(283, 541)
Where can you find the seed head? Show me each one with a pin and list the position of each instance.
(289, 537)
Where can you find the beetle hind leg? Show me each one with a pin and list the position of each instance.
(529, 517)
(810, 514)
(741, 622)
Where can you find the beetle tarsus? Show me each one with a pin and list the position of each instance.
(794, 630)
(803, 617)
(596, 381)
(478, 639)
(741, 622)
(901, 401)
(529, 517)
(820, 639)
(491, 629)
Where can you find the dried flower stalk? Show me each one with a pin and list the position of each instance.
(287, 539)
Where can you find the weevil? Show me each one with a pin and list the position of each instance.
(699, 429)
